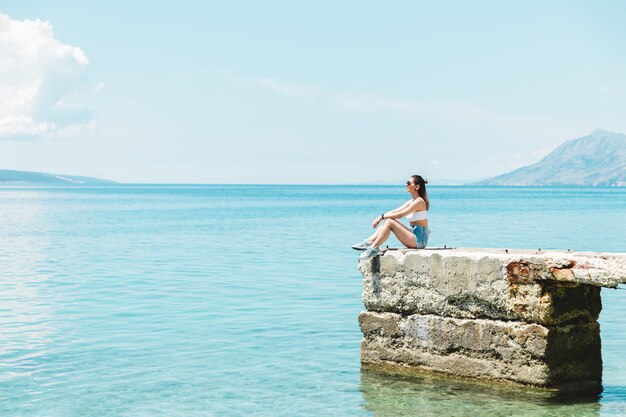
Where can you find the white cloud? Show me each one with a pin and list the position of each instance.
(449, 133)
(293, 90)
(42, 82)
(374, 103)
(444, 112)
(467, 113)
(278, 87)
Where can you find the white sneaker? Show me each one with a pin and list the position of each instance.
(362, 245)
(369, 253)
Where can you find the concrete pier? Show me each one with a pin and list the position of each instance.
(526, 317)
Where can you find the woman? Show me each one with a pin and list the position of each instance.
(415, 210)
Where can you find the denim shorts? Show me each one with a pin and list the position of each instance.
(421, 236)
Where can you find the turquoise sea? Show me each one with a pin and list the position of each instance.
(243, 300)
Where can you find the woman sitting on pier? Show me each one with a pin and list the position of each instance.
(415, 210)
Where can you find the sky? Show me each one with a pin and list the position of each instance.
(312, 93)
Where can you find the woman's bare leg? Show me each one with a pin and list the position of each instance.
(376, 233)
(403, 233)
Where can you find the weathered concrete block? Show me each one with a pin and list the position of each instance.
(521, 316)
(485, 284)
(546, 356)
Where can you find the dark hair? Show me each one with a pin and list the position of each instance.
(418, 180)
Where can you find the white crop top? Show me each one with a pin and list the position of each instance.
(417, 215)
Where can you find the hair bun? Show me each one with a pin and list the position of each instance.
(425, 181)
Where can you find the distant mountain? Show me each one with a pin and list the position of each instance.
(598, 159)
(8, 177)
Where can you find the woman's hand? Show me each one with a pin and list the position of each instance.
(376, 222)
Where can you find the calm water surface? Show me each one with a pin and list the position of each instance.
(243, 300)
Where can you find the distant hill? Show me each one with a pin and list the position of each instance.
(8, 177)
(598, 159)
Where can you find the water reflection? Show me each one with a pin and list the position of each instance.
(26, 304)
(388, 393)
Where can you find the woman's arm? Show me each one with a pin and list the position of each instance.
(393, 214)
(405, 209)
